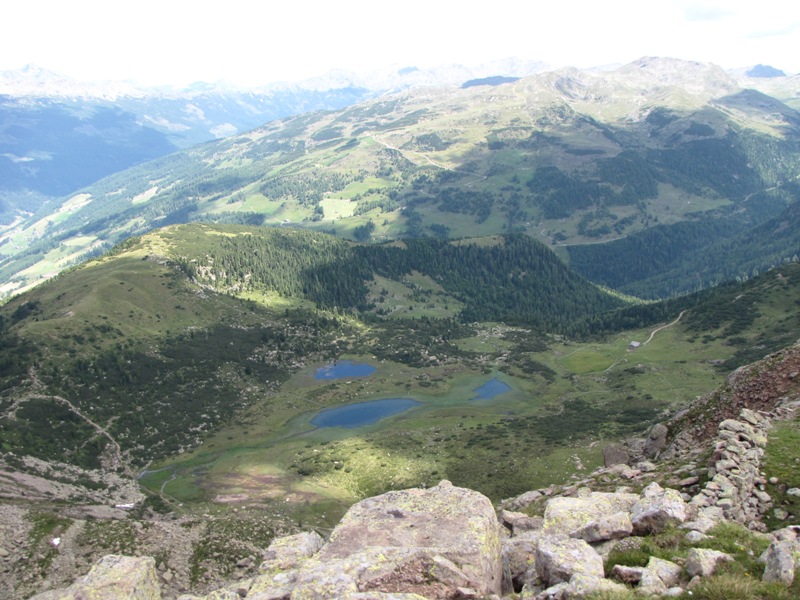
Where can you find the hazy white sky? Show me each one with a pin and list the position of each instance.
(253, 42)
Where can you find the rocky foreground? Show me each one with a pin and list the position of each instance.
(449, 542)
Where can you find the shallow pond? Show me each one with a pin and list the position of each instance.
(362, 413)
(490, 389)
(344, 369)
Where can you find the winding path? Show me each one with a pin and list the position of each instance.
(37, 393)
(657, 329)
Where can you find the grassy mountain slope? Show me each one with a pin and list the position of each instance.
(109, 336)
(566, 156)
(180, 347)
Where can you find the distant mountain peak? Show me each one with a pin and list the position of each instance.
(33, 80)
(765, 71)
(493, 80)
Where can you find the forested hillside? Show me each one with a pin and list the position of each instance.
(691, 255)
(512, 279)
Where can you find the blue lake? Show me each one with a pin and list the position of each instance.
(362, 413)
(490, 389)
(344, 369)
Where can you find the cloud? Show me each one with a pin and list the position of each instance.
(767, 33)
(706, 12)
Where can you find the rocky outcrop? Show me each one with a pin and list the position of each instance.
(442, 542)
(761, 387)
(123, 577)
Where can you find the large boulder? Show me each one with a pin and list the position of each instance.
(113, 576)
(657, 509)
(558, 559)
(614, 454)
(656, 440)
(291, 551)
(441, 542)
(567, 515)
(611, 527)
(667, 571)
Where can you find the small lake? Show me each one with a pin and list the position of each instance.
(490, 389)
(362, 413)
(344, 369)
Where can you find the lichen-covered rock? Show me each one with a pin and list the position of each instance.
(283, 557)
(651, 584)
(519, 558)
(518, 522)
(579, 586)
(522, 501)
(582, 585)
(380, 596)
(704, 563)
(216, 595)
(291, 551)
(781, 562)
(429, 542)
(657, 509)
(113, 576)
(567, 515)
(611, 527)
(558, 559)
(667, 571)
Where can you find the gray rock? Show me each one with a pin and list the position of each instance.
(651, 583)
(567, 515)
(657, 509)
(518, 522)
(582, 585)
(113, 576)
(523, 500)
(519, 557)
(632, 575)
(291, 551)
(614, 454)
(667, 571)
(694, 537)
(612, 527)
(557, 559)
(704, 563)
(424, 541)
(656, 440)
(780, 562)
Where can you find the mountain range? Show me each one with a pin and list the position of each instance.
(571, 157)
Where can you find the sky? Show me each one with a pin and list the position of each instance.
(250, 43)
